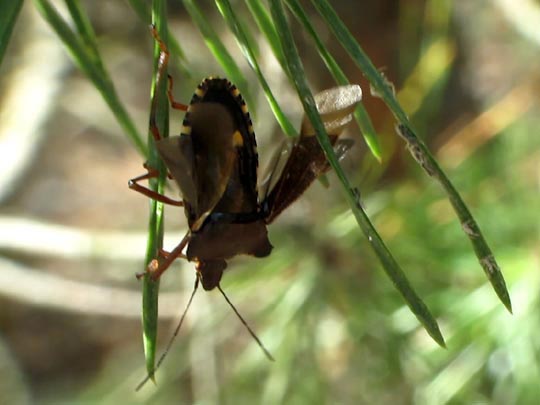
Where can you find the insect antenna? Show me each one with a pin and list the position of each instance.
(171, 340)
(253, 335)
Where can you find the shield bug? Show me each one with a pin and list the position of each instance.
(214, 162)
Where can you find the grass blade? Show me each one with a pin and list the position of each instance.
(418, 149)
(389, 264)
(469, 226)
(142, 9)
(217, 48)
(383, 88)
(85, 30)
(361, 115)
(155, 225)
(264, 22)
(234, 24)
(9, 11)
(90, 63)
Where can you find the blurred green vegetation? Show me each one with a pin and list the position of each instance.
(338, 329)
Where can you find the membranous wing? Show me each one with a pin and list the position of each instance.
(302, 161)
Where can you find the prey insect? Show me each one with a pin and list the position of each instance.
(214, 163)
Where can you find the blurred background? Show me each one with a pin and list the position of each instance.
(72, 235)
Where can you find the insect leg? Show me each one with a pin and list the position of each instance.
(150, 174)
(161, 70)
(162, 67)
(156, 268)
(163, 253)
(174, 104)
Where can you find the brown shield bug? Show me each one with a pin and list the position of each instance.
(214, 163)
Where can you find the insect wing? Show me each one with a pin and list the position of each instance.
(212, 129)
(225, 150)
(177, 153)
(201, 160)
(335, 106)
(275, 167)
(307, 160)
(341, 147)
